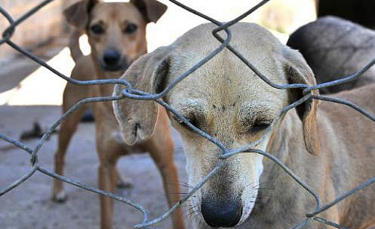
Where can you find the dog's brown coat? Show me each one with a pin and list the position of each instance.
(113, 18)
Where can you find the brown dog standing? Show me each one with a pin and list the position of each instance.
(117, 36)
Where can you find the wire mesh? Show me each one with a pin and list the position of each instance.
(129, 92)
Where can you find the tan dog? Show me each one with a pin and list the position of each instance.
(330, 148)
(117, 36)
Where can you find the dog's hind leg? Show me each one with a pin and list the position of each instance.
(121, 181)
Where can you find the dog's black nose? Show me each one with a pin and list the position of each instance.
(221, 214)
(111, 57)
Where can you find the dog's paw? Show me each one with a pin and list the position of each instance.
(59, 197)
(125, 182)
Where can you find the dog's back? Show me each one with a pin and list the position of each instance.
(335, 48)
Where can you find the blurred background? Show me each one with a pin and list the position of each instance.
(31, 95)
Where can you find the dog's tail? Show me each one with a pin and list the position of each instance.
(75, 50)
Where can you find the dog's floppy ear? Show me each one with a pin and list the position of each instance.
(78, 13)
(150, 9)
(298, 71)
(137, 118)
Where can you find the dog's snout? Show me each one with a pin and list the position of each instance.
(221, 214)
(111, 57)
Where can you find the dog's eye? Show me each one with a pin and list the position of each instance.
(191, 120)
(131, 28)
(260, 125)
(97, 29)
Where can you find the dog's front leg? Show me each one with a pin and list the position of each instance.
(67, 130)
(107, 174)
(163, 158)
(161, 148)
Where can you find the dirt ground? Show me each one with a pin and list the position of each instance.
(30, 205)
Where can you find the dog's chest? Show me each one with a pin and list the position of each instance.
(117, 137)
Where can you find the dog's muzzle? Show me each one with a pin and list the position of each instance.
(221, 213)
(113, 61)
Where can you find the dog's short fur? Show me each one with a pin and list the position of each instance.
(330, 147)
(334, 48)
(117, 36)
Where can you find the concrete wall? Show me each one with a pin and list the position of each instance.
(281, 15)
(39, 28)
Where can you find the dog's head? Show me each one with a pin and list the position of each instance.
(225, 99)
(116, 31)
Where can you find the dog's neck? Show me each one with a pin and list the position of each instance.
(106, 90)
(277, 185)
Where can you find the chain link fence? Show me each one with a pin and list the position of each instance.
(129, 92)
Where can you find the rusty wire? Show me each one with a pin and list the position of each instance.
(129, 92)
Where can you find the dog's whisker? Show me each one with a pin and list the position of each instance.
(178, 193)
(182, 184)
(189, 212)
